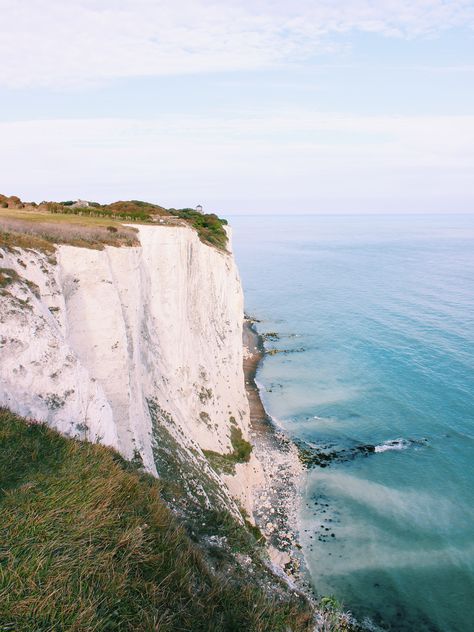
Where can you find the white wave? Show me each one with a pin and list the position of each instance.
(393, 444)
(400, 444)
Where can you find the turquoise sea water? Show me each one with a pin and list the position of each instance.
(379, 315)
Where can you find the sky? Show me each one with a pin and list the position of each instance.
(261, 106)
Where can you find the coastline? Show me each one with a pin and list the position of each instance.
(276, 503)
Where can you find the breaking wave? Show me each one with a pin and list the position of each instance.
(398, 444)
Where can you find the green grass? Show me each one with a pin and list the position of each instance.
(131, 210)
(35, 216)
(88, 544)
(241, 450)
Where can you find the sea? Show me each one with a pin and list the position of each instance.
(373, 320)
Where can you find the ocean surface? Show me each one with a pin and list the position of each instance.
(375, 317)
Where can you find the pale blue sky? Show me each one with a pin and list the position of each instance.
(242, 106)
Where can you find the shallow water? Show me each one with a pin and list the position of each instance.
(377, 314)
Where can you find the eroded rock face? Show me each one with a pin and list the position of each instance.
(40, 374)
(105, 344)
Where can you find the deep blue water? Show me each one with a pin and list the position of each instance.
(379, 312)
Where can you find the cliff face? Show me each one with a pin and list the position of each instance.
(138, 348)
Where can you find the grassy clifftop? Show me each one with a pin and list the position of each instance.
(98, 224)
(88, 544)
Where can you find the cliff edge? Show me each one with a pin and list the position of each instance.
(133, 347)
(130, 336)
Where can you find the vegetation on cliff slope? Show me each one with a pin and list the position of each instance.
(241, 450)
(87, 543)
(209, 226)
(90, 223)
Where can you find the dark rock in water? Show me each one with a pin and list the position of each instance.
(252, 319)
(271, 335)
(323, 456)
(365, 449)
(284, 351)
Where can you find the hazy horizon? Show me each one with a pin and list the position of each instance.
(269, 107)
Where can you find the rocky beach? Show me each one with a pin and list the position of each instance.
(276, 501)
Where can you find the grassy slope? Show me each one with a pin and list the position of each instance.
(88, 544)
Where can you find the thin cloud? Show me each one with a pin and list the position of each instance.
(297, 155)
(59, 44)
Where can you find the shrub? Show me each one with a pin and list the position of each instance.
(209, 227)
(242, 448)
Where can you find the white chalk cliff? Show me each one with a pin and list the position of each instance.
(108, 344)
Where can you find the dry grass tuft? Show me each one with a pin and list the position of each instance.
(39, 234)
